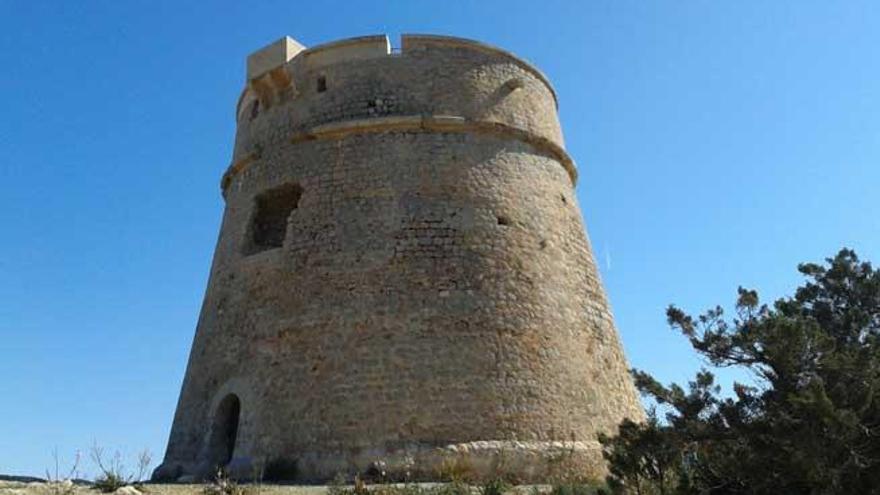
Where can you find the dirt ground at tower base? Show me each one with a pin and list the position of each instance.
(43, 488)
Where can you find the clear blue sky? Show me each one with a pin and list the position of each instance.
(719, 144)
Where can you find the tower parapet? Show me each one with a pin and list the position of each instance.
(402, 274)
(295, 90)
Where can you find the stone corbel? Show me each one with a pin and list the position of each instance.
(270, 86)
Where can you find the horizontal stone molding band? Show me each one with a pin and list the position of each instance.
(415, 123)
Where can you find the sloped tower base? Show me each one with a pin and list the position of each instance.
(402, 277)
(526, 462)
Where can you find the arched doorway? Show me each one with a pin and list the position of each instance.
(224, 430)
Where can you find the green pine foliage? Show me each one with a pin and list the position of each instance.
(808, 424)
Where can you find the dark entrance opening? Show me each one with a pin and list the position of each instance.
(224, 430)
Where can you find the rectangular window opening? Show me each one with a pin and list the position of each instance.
(272, 209)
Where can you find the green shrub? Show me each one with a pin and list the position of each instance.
(223, 485)
(495, 486)
(113, 474)
(456, 487)
(109, 482)
(577, 489)
(807, 423)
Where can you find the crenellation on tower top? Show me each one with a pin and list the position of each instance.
(285, 50)
(360, 78)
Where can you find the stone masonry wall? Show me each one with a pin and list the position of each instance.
(434, 289)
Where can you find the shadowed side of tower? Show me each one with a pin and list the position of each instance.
(402, 274)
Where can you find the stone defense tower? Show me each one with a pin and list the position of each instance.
(402, 274)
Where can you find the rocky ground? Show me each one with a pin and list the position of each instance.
(42, 488)
(20, 487)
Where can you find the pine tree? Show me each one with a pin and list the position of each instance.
(810, 422)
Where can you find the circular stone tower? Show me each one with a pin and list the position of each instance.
(402, 275)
